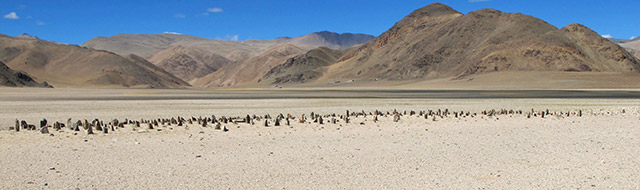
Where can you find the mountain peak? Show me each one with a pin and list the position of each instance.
(486, 11)
(579, 28)
(434, 9)
(27, 37)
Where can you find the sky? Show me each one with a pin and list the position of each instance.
(76, 21)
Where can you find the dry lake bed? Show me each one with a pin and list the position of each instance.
(515, 149)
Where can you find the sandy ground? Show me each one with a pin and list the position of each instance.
(598, 150)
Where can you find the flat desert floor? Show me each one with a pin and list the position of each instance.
(508, 151)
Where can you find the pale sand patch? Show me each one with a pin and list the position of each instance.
(509, 152)
(597, 150)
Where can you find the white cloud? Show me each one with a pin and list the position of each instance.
(608, 36)
(40, 23)
(11, 15)
(172, 33)
(179, 15)
(215, 10)
(477, 1)
(633, 37)
(229, 38)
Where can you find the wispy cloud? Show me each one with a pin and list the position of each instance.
(11, 15)
(477, 1)
(40, 23)
(633, 37)
(229, 38)
(608, 36)
(172, 33)
(213, 10)
(179, 15)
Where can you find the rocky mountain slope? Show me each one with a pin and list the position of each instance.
(190, 57)
(249, 70)
(302, 68)
(11, 78)
(188, 63)
(74, 66)
(437, 41)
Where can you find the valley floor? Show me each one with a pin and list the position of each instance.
(597, 150)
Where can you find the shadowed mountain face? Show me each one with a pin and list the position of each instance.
(190, 57)
(13, 78)
(249, 70)
(74, 66)
(439, 42)
(303, 67)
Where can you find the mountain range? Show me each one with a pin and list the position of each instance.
(196, 59)
(433, 43)
(438, 42)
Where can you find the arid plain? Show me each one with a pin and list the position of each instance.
(596, 149)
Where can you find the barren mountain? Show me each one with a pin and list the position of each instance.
(190, 57)
(27, 37)
(249, 70)
(143, 45)
(11, 78)
(188, 63)
(146, 45)
(327, 39)
(633, 46)
(439, 42)
(74, 66)
(301, 68)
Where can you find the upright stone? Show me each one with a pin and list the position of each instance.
(43, 123)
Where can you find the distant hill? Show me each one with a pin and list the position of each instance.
(74, 66)
(11, 78)
(190, 57)
(303, 67)
(633, 46)
(26, 36)
(249, 70)
(188, 63)
(327, 39)
(437, 42)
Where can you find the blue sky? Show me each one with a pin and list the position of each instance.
(75, 22)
